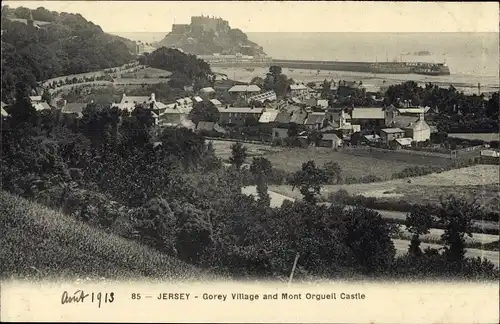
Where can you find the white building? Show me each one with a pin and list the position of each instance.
(419, 131)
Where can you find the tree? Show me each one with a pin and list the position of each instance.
(333, 172)
(238, 155)
(311, 85)
(46, 96)
(367, 235)
(204, 111)
(418, 222)
(309, 180)
(456, 215)
(155, 224)
(261, 168)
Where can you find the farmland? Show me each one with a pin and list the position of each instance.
(479, 181)
(223, 149)
(352, 165)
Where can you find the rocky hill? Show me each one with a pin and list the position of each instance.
(206, 35)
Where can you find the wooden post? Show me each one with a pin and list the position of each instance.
(293, 268)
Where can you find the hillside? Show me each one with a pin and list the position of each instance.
(38, 242)
(205, 35)
(40, 44)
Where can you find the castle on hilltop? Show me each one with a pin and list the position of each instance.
(202, 24)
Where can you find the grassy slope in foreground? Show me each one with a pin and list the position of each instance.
(37, 242)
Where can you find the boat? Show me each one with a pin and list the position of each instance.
(290, 70)
(250, 69)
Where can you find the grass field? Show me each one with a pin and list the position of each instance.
(352, 165)
(36, 242)
(223, 149)
(479, 181)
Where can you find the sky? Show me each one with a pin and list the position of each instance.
(285, 16)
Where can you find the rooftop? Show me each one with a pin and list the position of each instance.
(269, 116)
(245, 88)
(368, 113)
(392, 130)
(215, 102)
(243, 110)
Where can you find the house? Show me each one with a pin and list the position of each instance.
(299, 91)
(207, 90)
(363, 115)
(136, 99)
(298, 116)
(419, 131)
(36, 99)
(347, 88)
(216, 103)
(184, 103)
(330, 140)
(319, 103)
(239, 115)
(244, 90)
(207, 93)
(269, 116)
(197, 99)
(404, 142)
(339, 119)
(279, 133)
(263, 97)
(210, 127)
(41, 106)
(390, 134)
(371, 139)
(171, 115)
(315, 120)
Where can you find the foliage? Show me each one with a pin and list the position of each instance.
(456, 216)
(204, 111)
(418, 222)
(309, 181)
(186, 68)
(333, 172)
(69, 45)
(276, 81)
(238, 155)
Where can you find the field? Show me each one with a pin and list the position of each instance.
(479, 181)
(352, 165)
(37, 242)
(147, 73)
(223, 149)
(487, 137)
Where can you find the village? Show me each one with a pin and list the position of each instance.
(300, 118)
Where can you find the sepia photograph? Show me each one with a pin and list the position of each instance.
(347, 149)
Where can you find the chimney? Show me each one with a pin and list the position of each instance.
(153, 97)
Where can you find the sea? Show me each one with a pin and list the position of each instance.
(473, 58)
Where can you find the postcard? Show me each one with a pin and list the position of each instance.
(249, 162)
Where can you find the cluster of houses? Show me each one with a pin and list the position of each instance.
(302, 106)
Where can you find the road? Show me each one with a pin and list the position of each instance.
(402, 247)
